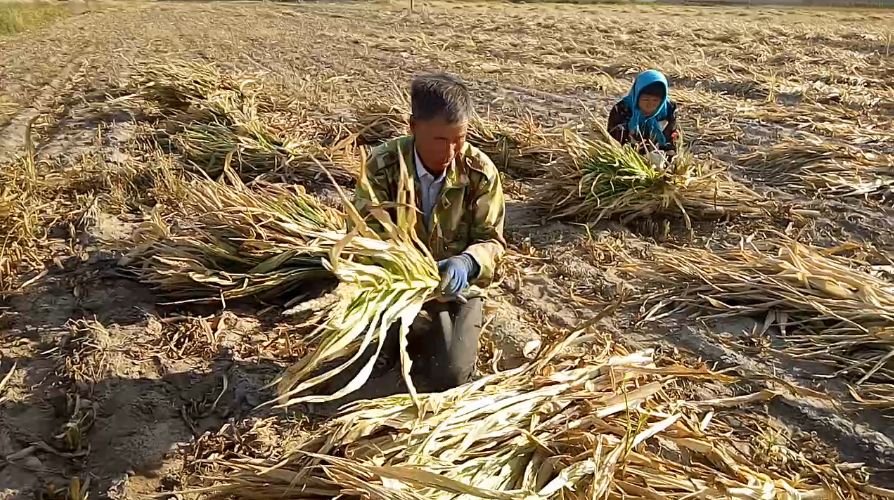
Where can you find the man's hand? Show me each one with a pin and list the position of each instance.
(456, 272)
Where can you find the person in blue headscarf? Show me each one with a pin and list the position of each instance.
(646, 116)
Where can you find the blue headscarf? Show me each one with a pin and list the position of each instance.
(647, 126)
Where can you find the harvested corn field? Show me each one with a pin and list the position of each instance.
(178, 265)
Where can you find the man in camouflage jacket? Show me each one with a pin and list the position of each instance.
(460, 197)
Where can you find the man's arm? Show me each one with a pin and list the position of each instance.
(486, 245)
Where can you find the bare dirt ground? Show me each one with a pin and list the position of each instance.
(89, 343)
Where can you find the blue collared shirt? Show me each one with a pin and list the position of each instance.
(430, 186)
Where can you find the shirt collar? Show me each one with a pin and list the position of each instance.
(422, 172)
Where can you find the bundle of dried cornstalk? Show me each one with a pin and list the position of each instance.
(216, 116)
(233, 241)
(603, 425)
(267, 240)
(522, 149)
(179, 84)
(828, 307)
(824, 167)
(601, 178)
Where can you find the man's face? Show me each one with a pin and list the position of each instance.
(438, 142)
(648, 104)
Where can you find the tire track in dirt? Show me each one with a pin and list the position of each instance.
(12, 136)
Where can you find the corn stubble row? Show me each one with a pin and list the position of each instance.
(611, 424)
(828, 305)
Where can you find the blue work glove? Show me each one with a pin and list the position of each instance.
(456, 273)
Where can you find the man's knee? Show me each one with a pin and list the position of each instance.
(456, 352)
(453, 374)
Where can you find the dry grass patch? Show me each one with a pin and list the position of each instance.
(17, 17)
(824, 167)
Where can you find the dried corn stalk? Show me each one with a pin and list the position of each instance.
(182, 83)
(19, 230)
(267, 240)
(235, 241)
(385, 280)
(602, 178)
(823, 167)
(219, 117)
(22, 214)
(829, 308)
(572, 427)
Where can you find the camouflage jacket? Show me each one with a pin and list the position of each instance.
(468, 216)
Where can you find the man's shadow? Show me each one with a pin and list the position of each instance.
(124, 426)
(62, 419)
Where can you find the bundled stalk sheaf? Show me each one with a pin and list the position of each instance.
(217, 116)
(829, 307)
(523, 150)
(179, 84)
(236, 241)
(824, 167)
(605, 179)
(267, 240)
(385, 280)
(599, 426)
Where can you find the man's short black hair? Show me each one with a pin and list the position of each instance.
(440, 95)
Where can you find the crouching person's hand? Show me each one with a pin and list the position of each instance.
(456, 272)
